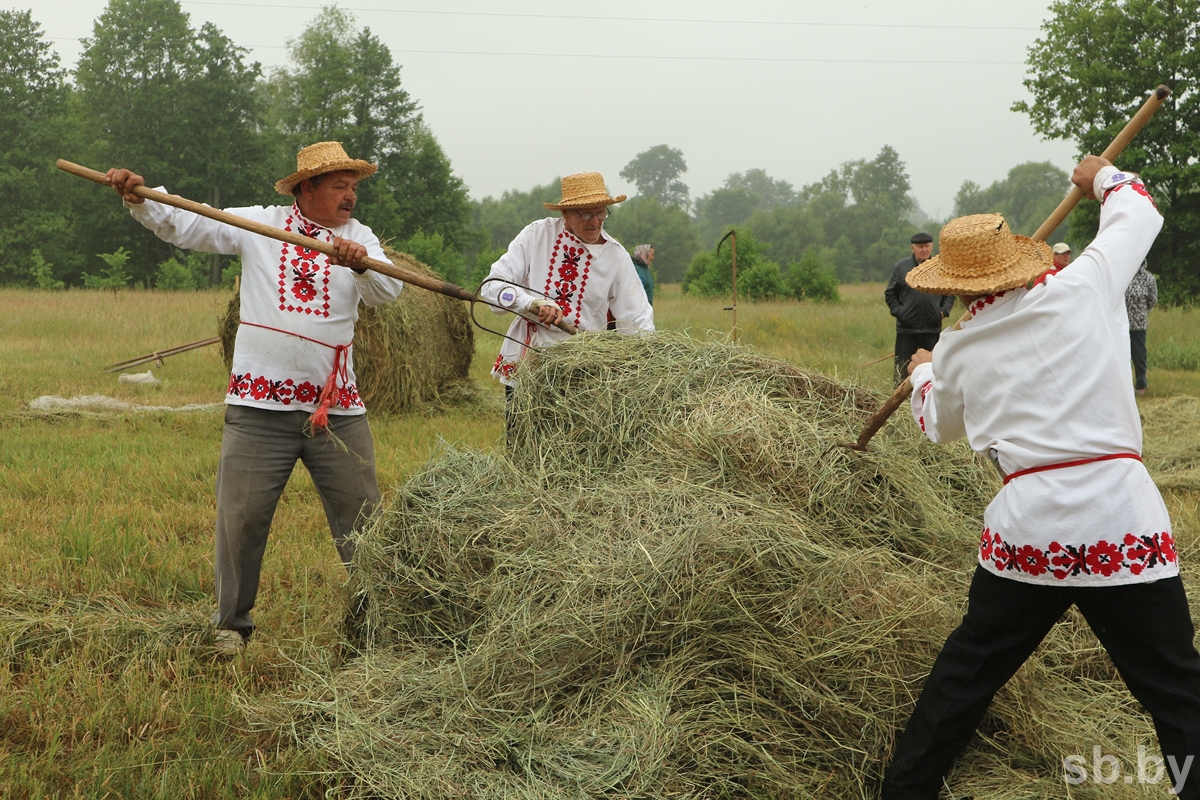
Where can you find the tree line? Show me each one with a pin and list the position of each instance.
(185, 107)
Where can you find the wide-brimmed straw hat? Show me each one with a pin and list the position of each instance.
(322, 157)
(979, 254)
(585, 190)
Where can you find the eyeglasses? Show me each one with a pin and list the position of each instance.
(590, 215)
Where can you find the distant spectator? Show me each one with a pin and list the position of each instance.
(1140, 297)
(1062, 254)
(918, 315)
(643, 257)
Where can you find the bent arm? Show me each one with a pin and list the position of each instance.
(1129, 224)
(375, 288)
(935, 408)
(508, 275)
(191, 231)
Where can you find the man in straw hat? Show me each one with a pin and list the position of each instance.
(1038, 380)
(293, 367)
(577, 271)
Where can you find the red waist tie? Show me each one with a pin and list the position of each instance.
(341, 371)
(1046, 467)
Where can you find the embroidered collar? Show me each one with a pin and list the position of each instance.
(982, 302)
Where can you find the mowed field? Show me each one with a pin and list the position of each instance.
(108, 686)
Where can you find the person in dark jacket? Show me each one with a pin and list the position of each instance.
(918, 315)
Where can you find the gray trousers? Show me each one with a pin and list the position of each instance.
(259, 449)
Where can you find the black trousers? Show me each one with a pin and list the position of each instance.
(906, 345)
(1145, 627)
(1137, 349)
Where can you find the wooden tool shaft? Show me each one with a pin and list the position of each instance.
(429, 282)
(1114, 149)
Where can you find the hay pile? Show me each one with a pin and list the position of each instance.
(673, 585)
(409, 353)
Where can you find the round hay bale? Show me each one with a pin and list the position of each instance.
(409, 353)
(673, 583)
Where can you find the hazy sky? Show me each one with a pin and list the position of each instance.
(521, 91)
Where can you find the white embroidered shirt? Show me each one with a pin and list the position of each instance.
(585, 280)
(1040, 377)
(296, 307)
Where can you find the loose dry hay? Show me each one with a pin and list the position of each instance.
(408, 354)
(675, 585)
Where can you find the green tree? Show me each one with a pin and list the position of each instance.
(35, 130)
(862, 206)
(741, 195)
(1084, 72)
(644, 220)
(176, 105)
(1026, 197)
(504, 217)
(344, 86)
(656, 173)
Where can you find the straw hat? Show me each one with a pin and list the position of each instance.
(980, 255)
(585, 190)
(322, 157)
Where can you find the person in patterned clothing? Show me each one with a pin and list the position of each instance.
(1140, 297)
(293, 365)
(1037, 380)
(580, 271)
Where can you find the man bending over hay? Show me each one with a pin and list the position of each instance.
(293, 369)
(581, 272)
(1038, 380)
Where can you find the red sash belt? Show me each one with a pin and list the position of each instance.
(1046, 467)
(341, 371)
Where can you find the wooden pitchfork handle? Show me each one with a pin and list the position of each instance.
(1114, 149)
(428, 282)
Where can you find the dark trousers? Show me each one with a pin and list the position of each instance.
(1145, 627)
(906, 345)
(1137, 350)
(259, 449)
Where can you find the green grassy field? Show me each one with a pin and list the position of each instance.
(107, 685)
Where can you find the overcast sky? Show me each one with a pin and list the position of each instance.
(521, 91)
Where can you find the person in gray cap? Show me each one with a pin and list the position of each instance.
(918, 315)
(1062, 254)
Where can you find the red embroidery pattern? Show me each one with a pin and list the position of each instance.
(504, 368)
(924, 392)
(287, 391)
(1138, 187)
(571, 277)
(978, 305)
(1135, 553)
(303, 273)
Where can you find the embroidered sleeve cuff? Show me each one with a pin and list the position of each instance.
(1108, 178)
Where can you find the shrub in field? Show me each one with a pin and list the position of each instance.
(809, 278)
(762, 281)
(115, 277)
(711, 273)
(43, 273)
(173, 276)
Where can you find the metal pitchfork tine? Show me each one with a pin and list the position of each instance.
(1114, 149)
(479, 299)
